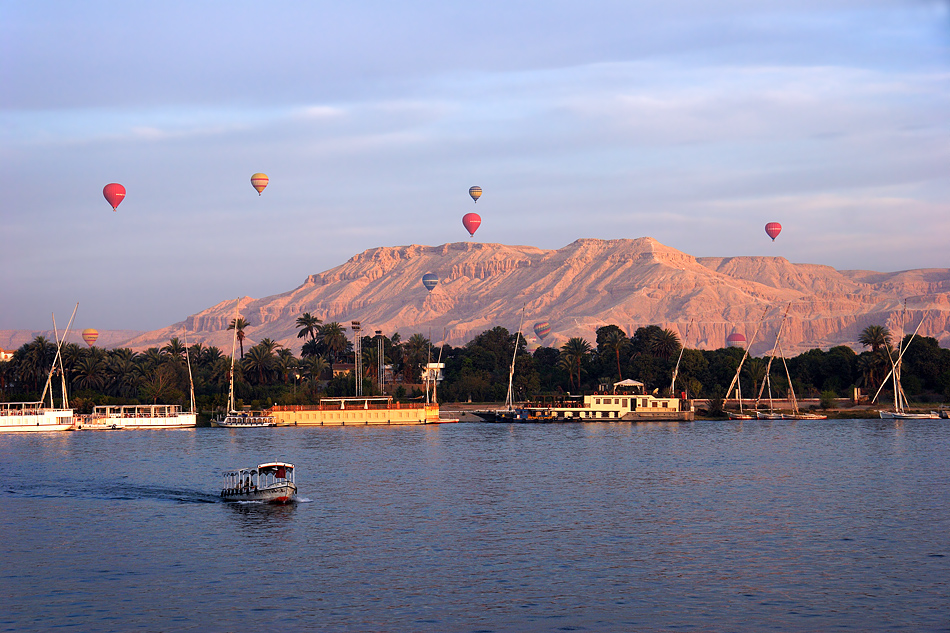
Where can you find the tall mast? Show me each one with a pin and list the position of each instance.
(58, 358)
(768, 368)
(676, 370)
(233, 349)
(191, 380)
(510, 400)
(735, 379)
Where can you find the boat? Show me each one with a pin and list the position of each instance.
(627, 401)
(357, 411)
(900, 399)
(272, 482)
(36, 416)
(139, 416)
(772, 414)
(241, 419)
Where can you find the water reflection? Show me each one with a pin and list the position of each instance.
(257, 519)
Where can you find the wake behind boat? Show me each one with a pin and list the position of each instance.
(272, 482)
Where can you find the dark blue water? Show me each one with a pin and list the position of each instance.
(763, 526)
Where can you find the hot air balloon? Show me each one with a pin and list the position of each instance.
(471, 222)
(542, 329)
(114, 194)
(475, 192)
(736, 339)
(773, 229)
(430, 281)
(259, 182)
(89, 335)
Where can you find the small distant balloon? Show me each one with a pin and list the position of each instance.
(259, 182)
(430, 281)
(114, 194)
(542, 329)
(471, 222)
(90, 335)
(773, 229)
(475, 192)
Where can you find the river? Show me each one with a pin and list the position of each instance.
(702, 526)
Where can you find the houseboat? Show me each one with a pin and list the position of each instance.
(355, 411)
(626, 401)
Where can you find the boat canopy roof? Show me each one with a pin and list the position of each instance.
(275, 466)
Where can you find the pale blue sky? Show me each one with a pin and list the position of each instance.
(692, 122)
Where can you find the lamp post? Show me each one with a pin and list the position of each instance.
(358, 352)
(381, 363)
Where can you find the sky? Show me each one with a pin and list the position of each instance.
(692, 122)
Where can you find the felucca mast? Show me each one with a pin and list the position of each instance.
(735, 379)
(191, 380)
(59, 359)
(233, 349)
(768, 368)
(510, 400)
(676, 370)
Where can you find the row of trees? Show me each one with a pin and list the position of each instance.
(269, 373)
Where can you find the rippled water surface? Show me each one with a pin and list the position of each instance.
(707, 526)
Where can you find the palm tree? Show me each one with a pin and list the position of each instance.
(239, 324)
(175, 350)
(416, 354)
(875, 337)
(664, 344)
(316, 367)
(91, 373)
(259, 360)
(573, 355)
(755, 370)
(309, 326)
(614, 342)
(333, 337)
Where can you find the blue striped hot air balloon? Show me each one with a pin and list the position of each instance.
(542, 329)
(430, 281)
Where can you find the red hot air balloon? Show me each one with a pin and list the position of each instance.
(90, 335)
(259, 181)
(773, 229)
(471, 222)
(114, 194)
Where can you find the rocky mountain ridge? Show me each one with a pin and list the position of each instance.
(577, 288)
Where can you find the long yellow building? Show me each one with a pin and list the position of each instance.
(356, 412)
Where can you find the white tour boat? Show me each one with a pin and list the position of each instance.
(268, 483)
(33, 416)
(36, 416)
(139, 416)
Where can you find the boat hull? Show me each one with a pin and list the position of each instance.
(899, 415)
(278, 494)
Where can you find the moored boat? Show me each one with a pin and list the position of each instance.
(245, 420)
(272, 482)
(33, 416)
(147, 416)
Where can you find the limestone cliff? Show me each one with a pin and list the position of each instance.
(582, 286)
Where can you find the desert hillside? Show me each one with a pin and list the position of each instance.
(580, 287)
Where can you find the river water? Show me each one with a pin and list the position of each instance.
(705, 526)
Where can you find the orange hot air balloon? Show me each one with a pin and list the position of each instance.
(471, 222)
(114, 194)
(89, 335)
(475, 192)
(259, 182)
(773, 229)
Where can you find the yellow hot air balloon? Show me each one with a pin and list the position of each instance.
(90, 335)
(475, 192)
(259, 182)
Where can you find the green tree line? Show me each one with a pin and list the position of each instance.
(268, 373)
